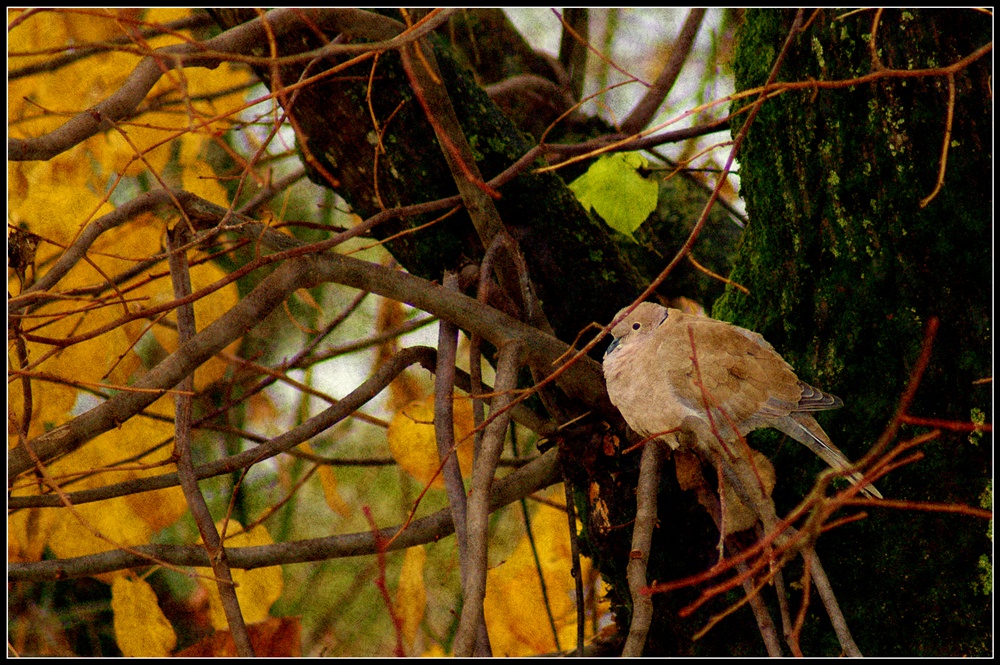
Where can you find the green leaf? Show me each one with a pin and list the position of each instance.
(613, 188)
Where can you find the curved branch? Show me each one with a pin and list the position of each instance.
(86, 50)
(145, 202)
(267, 448)
(483, 470)
(279, 444)
(181, 277)
(444, 429)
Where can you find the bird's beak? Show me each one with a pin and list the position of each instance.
(612, 346)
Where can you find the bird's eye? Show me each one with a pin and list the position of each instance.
(636, 326)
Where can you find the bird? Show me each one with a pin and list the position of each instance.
(694, 381)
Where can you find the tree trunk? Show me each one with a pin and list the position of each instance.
(845, 269)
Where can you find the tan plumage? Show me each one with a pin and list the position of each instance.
(654, 382)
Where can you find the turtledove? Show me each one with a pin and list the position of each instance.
(654, 382)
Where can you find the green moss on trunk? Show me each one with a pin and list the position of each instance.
(845, 269)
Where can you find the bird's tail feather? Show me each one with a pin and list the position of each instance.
(803, 428)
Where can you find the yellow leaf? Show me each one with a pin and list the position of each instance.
(158, 509)
(515, 607)
(434, 651)
(166, 15)
(111, 354)
(75, 83)
(412, 442)
(328, 480)
(411, 594)
(129, 520)
(115, 520)
(197, 175)
(55, 198)
(28, 533)
(256, 589)
(405, 388)
(131, 150)
(141, 628)
(50, 405)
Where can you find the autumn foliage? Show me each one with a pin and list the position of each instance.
(107, 315)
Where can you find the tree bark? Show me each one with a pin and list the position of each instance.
(845, 268)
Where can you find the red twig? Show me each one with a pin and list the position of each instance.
(954, 425)
(380, 546)
(800, 618)
(926, 506)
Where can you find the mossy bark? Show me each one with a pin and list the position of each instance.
(845, 268)
(561, 241)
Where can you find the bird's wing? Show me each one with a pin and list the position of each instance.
(741, 372)
(814, 399)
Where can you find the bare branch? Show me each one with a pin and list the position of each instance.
(826, 594)
(214, 547)
(198, 20)
(444, 430)
(540, 473)
(247, 313)
(644, 111)
(238, 41)
(647, 494)
(484, 468)
(344, 408)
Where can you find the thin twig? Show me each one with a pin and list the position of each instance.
(247, 313)
(268, 448)
(529, 534)
(943, 163)
(229, 46)
(397, 621)
(542, 472)
(574, 543)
